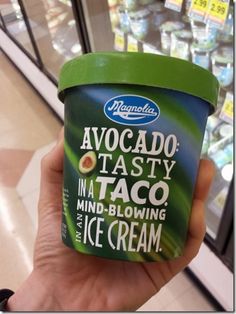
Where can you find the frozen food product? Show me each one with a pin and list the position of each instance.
(133, 138)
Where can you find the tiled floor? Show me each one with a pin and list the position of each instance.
(28, 130)
(26, 124)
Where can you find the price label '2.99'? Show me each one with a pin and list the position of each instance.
(198, 9)
(217, 13)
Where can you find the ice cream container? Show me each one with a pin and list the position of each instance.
(140, 23)
(134, 126)
(166, 29)
(223, 66)
(180, 44)
(204, 34)
(202, 55)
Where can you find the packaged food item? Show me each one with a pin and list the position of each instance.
(222, 65)
(131, 5)
(204, 34)
(140, 23)
(133, 139)
(201, 55)
(159, 15)
(180, 44)
(166, 29)
(124, 19)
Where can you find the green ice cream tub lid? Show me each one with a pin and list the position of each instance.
(140, 69)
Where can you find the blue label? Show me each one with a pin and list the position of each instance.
(131, 110)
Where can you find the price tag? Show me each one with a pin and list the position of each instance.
(227, 111)
(175, 5)
(198, 9)
(217, 13)
(119, 40)
(132, 44)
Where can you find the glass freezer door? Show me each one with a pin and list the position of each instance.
(194, 30)
(54, 29)
(12, 17)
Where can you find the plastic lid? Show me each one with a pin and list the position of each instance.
(140, 69)
(171, 26)
(184, 34)
(137, 15)
(203, 47)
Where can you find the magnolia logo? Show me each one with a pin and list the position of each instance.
(131, 110)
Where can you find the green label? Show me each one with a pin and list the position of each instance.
(127, 182)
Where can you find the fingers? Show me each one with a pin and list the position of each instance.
(197, 227)
(197, 230)
(206, 173)
(194, 240)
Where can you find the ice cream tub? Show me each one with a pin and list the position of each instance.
(134, 127)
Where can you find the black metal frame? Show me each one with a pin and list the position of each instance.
(31, 35)
(79, 17)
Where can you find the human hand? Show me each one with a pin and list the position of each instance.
(65, 280)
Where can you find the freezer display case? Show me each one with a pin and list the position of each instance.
(200, 31)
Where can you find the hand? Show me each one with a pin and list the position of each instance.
(65, 280)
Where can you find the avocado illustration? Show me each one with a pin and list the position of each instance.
(87, 163)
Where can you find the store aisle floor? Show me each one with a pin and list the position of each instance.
(26, 124)
(28, 130)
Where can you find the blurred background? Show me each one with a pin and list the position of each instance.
(36, 38)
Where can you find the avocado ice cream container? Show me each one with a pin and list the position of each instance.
(134, 127)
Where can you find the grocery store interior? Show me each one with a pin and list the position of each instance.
(36, 38)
